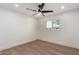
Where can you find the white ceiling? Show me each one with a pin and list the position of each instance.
(48, 6)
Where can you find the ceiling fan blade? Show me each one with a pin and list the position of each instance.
(31, 9)
(46, 11)
(42, 14)
(35, 14)
(41, 6)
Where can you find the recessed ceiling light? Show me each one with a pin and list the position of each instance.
(62, 7)
(16, 5)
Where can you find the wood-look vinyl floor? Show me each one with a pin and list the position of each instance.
(39, 47)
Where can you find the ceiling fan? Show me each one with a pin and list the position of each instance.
(40, 10)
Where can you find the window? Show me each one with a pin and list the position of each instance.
(53, 24)
(49, 24)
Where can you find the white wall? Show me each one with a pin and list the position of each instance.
(68, 34)
(15, 28)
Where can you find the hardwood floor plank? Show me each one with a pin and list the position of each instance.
(39, 47)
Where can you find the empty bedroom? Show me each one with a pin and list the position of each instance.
(39, 28)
